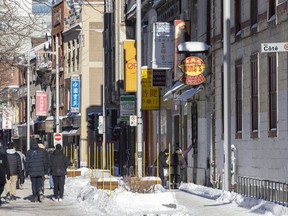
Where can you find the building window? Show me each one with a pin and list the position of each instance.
(238, 88)
(254, 94)
(272, 82)
(237, 17)
(253, 12)
(271, 9)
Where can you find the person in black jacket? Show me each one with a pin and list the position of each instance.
(14, 162)
(36, 167)
(4, 171)
(58, 165)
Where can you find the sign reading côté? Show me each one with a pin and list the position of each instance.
(274, 47)
(57, 139)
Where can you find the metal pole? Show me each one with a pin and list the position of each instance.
(28, 102)
(104, 98)
(139, 88)
(227, 97)
(57, 85)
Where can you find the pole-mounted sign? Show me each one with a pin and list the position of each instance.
(274, 47)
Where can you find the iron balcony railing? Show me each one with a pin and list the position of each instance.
(273, 191)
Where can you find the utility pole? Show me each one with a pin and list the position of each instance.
(57, 85)
(139, 88)
(227, 97)
(28, 102)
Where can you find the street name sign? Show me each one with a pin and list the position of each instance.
(274, 47)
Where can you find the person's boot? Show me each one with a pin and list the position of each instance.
(8, 197)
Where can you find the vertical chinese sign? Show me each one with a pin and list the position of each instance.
(150, 94)
(75, 94)
(163, 46)
(41, 103)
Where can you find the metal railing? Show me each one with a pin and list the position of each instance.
(273, 191)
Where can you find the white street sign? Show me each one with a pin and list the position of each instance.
(133, 120)
(274, 47)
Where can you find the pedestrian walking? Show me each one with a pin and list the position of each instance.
(36, 167)
(14, 162)
(50, 152)
(21, 177)
(4, 171)
(42, 147)
(163, 165)
(58, 164)
(177, 162)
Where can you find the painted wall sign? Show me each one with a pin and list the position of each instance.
(193, 68)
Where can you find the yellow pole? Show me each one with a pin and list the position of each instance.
(157, 162)
(95, 158)
(113, 159)
(143, 167)
(89, 162)
(136, 161)
(169, 166)
(72, 159)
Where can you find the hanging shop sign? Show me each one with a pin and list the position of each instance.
(158, 78)
(193, 68)
(75, 93)
(130, 69)
(41, 103)
(150, 94)
(163, 46)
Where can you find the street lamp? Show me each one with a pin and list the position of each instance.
(56, 53)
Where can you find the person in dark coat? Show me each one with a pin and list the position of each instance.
(36, 167)
(58, 165)
(177, 161)
(163, 165)
(4, 171)
(14, 161)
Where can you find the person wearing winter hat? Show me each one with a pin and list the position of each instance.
(4, 171)
(58, 164)
(36, 167)
(14, 162)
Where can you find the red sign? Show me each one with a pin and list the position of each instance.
(57, 138)
(41, 103)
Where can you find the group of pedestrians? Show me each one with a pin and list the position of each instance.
(37, 163)
(174, 164)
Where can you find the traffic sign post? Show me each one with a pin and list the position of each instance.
(274, 47)
(133, 120)
(58, 139)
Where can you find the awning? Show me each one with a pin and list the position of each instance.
(73, 132)
(176, 87)
(189, 93)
